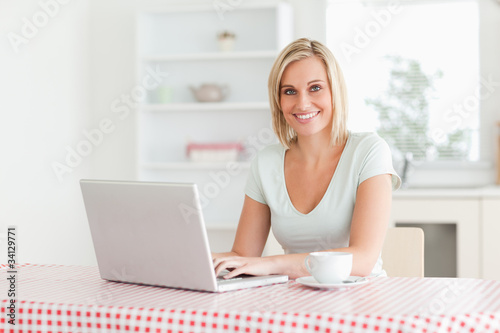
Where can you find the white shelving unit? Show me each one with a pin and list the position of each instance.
(182, 41)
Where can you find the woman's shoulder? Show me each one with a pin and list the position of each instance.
(365, 140)
(267, 159)
(364, 136)
(272, 151)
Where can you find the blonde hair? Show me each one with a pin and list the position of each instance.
(300, 49)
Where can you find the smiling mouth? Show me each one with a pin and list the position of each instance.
(306, 115)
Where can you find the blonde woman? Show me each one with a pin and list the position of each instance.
(323, 188)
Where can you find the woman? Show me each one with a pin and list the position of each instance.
(323, 188)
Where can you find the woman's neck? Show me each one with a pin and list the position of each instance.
(315, 149)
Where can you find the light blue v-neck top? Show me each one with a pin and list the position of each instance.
(328, 225)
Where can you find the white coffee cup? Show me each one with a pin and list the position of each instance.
(329, 267)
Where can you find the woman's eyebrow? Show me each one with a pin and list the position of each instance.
(308, 83)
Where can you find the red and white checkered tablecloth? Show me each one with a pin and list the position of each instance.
(55, 298)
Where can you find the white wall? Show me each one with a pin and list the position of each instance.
(112, 69)
(63, 82)
(44, 84)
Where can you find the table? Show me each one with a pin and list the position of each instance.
(57, 298)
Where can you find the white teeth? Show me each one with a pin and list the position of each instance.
(307, 116)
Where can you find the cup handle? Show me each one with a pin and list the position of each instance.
(306, 263)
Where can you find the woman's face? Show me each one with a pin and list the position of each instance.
(305, 96)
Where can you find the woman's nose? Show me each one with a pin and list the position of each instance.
(304, 102)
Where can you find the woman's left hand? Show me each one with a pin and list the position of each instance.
(244, 265)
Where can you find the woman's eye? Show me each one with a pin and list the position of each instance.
(288, 92)
(315, 88)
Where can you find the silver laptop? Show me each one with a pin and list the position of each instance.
(154, 233)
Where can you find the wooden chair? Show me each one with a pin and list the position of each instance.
(403, 252)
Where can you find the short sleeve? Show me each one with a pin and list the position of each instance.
(378, 161)
(253, 187)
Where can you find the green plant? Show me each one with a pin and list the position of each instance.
(403, 112)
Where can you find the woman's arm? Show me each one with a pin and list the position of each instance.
(370, 218)
(253, 230)
(368, 228)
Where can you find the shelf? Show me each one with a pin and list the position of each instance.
(220, 106)
(191, 165)
(212, 56)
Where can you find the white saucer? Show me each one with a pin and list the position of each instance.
(351, 281)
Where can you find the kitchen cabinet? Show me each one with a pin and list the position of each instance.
(490, 211)
(462, 213)
(474, 212)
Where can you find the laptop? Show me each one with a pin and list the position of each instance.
(153, 233)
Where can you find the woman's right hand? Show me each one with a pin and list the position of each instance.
(237, 265)
(216, 255)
